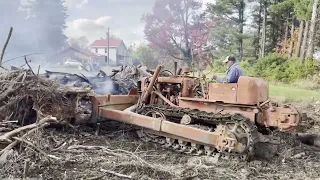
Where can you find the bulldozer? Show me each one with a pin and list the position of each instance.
(183, 113)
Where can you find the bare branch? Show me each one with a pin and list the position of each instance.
(116, 174)
(5, 45)
(25, 59)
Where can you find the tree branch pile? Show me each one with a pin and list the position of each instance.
(26, 98)
(29, 102)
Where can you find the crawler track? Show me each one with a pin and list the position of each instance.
(239, 126)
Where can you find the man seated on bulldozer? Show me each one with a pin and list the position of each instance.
(233, 73)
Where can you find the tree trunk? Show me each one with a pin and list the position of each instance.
(304, 43)
(263, 41)
(310, 50)
(241, 21)
(292, 36)
(286, 31)
(297, 53)
(257, 44)
(274, 30)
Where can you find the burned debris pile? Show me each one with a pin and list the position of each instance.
(118, 82)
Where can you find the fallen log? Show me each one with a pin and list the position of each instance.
(7, 136)
(309, 139)
(16, 142)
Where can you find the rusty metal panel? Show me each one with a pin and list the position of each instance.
(116, 99)
(247, 111)
(284, 117)
(133, 91)
(169, 135)
(119, 102)
(224, 92)
(189, 132)
(187, 87)
(175, 79)
(252, 90)
(131, 118)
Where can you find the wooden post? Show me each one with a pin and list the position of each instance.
(175, 67)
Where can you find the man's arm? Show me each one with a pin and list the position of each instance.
(230, 77)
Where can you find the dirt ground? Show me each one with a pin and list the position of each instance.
(63, 157)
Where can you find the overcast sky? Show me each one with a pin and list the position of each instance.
(91, 18)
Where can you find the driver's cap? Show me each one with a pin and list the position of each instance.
(229, 58)
(226, 60)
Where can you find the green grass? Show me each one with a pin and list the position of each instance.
(286, 93)
(292, 94)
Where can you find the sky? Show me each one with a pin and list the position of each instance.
(91, 18)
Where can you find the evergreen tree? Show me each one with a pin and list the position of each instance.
(230, 13)
(48, 18)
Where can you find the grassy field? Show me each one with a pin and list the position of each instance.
(292, 94)
(287, 93)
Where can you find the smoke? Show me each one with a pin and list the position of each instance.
(37, 28)
(104, 87)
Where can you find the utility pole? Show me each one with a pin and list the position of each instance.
(108, 46)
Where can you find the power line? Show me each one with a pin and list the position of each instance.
(21, 57)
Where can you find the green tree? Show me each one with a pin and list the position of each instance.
(229, 14)
(147, 55)
(302, 9)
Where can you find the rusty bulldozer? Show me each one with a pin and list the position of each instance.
(228, 119)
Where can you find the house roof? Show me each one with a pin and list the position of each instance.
(82, 51)
(104, 43)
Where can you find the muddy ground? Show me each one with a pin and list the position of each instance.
(124, 153)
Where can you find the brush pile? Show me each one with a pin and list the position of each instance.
(29, 102)
(27, 98)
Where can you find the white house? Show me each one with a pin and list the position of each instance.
(117, 50)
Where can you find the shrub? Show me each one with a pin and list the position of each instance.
(218, 66)
(275, 67)
(278, 68)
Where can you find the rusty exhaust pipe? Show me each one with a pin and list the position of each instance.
(150, 86)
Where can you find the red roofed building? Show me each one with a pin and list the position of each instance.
(117, 50)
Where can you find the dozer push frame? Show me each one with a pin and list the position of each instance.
(227, 119)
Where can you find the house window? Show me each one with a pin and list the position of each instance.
(96, 50)
(105, 50)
